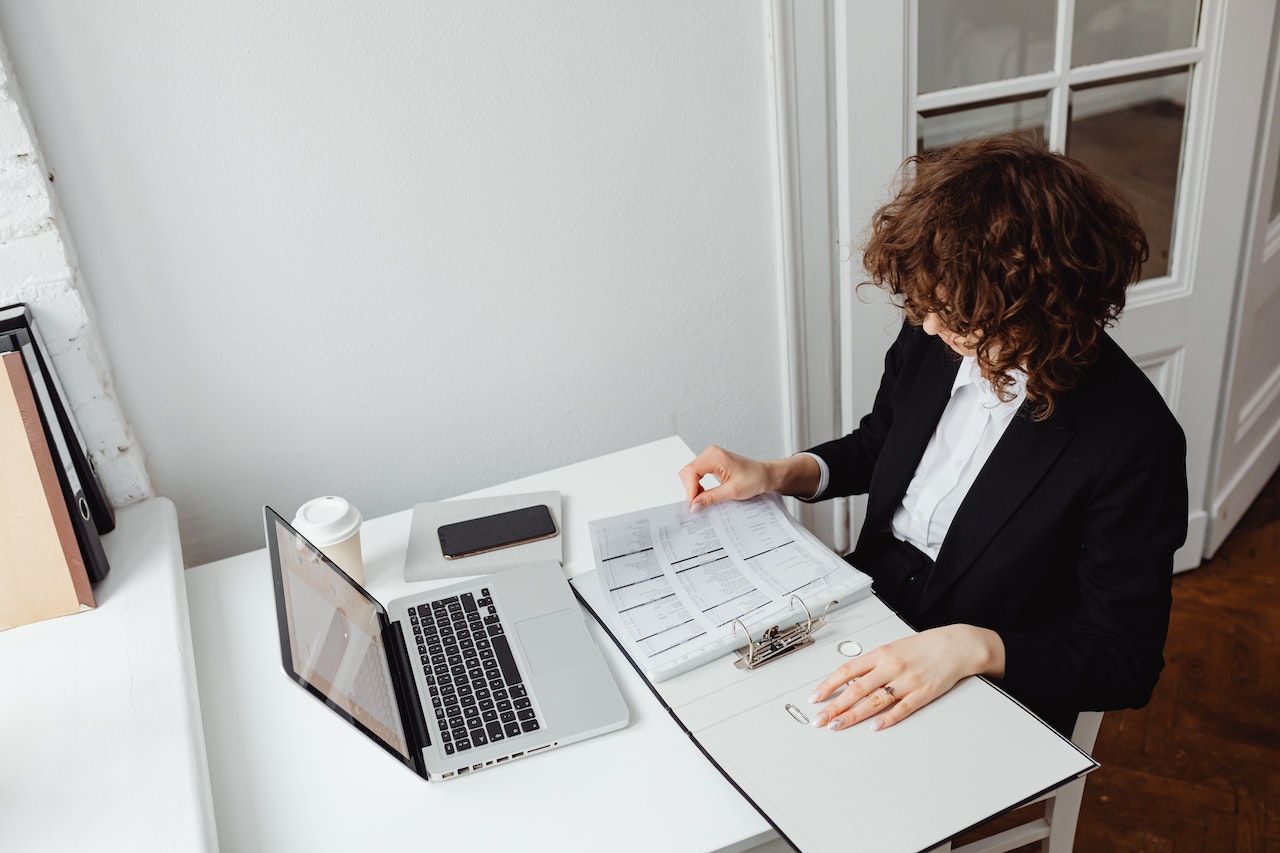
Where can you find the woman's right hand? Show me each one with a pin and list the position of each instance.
(742, 478)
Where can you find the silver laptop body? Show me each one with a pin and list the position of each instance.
(378, 667)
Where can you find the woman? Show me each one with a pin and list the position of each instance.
(1026, 483)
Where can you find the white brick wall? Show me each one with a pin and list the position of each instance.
(38, 267)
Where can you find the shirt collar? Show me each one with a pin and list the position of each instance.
(970, 374)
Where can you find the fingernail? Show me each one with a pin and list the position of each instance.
(820, 720)
(877, 725)
(816, 698)
(836, 725)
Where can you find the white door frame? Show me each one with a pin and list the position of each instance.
(802, 93)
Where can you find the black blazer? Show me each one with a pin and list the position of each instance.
(1063, 546)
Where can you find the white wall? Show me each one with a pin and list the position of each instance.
(398, 251)
(38, 267)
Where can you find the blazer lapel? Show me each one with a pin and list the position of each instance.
(914, 423)
(1020, 459)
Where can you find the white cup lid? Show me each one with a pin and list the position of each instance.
(327, 520)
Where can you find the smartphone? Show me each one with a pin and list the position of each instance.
(480, 535)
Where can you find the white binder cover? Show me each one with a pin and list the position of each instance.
(969, 756)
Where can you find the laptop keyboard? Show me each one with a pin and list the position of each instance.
(476, 688)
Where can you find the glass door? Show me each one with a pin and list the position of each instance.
(1163, 97)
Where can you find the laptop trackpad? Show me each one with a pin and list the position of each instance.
(554, 641)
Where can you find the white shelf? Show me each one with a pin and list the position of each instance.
(100, 727)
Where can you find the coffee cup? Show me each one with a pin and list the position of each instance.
(332, 524)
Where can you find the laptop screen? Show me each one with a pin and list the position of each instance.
(331, 637)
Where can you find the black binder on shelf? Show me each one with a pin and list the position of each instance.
(18, 317)
(66, 451)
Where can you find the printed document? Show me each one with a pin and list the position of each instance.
(684, 586)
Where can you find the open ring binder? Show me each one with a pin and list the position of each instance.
(778, 642)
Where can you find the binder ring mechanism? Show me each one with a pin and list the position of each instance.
(776, 641)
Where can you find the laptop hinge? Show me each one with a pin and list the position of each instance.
(410, 705)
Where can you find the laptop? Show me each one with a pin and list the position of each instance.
(451, 680)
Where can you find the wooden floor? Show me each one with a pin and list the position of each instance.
(1198, 769)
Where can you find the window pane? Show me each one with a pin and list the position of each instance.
(963, 42)
(1131, 133)
(943, 128)
(1120, 29)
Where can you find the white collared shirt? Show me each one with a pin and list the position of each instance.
(972, 423)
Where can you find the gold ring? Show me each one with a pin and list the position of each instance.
(889, 692)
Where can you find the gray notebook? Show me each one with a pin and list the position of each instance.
(424, 560)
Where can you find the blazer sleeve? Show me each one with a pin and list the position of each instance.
(1111, 653)
(852, 459)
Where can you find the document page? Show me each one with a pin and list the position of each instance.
(683, 586)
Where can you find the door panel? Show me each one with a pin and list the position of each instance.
(1249, 441)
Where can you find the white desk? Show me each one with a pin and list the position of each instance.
(288, 774)
(101, 745)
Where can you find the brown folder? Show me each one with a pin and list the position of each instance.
(42, 573)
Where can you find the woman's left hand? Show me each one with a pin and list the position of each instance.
(901, 677)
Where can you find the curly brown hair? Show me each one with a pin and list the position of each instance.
(1024, 251)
